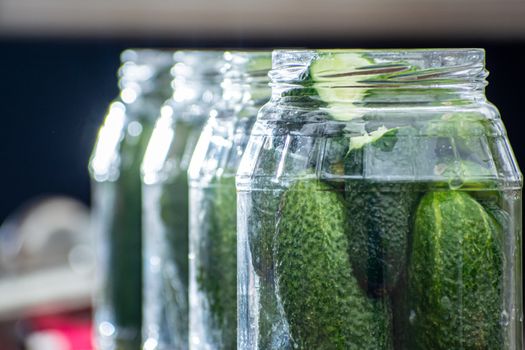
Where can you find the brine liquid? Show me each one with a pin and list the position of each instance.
(118, 300)
(263, 320)
(166, 265)
(213, 296)
(117, 208)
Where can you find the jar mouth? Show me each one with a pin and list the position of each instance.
(406, 52)
(141, 65)
(145, 73)
(155, 57)
(380, 66)
(246, 70)
(254, 63)
(195, 65)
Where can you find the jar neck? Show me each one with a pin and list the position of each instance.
(196, 77)
(245, 84)
(144, 79)
(378, 78)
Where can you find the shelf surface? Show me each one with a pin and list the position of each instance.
(269, 18)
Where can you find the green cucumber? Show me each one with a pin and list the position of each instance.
(323, 303)
(455, 275)
(379, 212)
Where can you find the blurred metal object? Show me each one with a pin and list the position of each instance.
(46, 258)
(270, 18)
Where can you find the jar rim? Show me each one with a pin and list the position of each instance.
(476, 50)
(437, 67)
(197, 65)
(156, 57)
(439, 57)
(247, 66)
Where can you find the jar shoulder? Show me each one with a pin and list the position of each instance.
(219, 149)
(169, 149)
(120, 143)
(388, 144)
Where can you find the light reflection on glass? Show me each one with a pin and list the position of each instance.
(128, 95)
(108, 140)
(150, 344)
(134, 128)
(183, 92)
(106, 329)
(158, 148)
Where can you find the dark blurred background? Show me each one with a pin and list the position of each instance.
(54, 93)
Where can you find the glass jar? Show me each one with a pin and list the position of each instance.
(213, 239)
(197, 77)
(144, 81)
(379, 206)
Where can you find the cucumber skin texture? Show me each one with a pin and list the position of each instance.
(379, 232)
(380, 216)
(323, 303)
(455, 275)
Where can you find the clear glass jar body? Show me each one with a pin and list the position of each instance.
(379, 207)
(116, 194)
(213, 249)
(165, 197)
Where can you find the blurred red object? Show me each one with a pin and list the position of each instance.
(60, 332)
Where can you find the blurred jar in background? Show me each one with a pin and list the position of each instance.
(197, 76)
(115, 171)
(213, 239)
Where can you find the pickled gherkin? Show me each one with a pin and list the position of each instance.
(325, 306)
(455, 275)
(379, 213)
